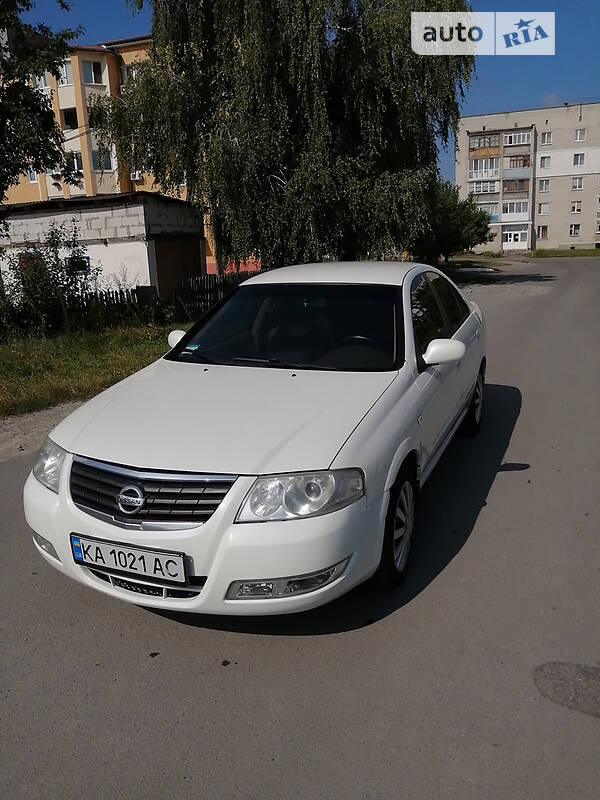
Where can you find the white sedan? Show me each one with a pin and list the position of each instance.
(272, 459)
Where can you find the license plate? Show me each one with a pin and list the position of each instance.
(159, 565)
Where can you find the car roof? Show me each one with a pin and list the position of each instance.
(391, 273)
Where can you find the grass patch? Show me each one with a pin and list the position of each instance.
(558, 253)
(39, 373)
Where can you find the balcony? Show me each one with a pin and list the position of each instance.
(517, 185)
(517, 150)
(521, 216)
(483, 174)
(516, 172)
(485, 152)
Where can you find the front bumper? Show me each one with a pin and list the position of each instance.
(220, 550)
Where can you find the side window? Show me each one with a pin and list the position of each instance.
(454, 306)
(427, 319)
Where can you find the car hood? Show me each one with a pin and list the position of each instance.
(226, 419)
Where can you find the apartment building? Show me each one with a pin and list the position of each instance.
(537, 173)
(90, 70)
(39, 197)
(94, 69)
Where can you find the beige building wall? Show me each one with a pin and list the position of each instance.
(561, 137)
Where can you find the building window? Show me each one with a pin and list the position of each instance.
(515, 162)
(79, 264)
(489, 140)
(105, 165)
(574, 229)
(41, 81)
(543, 208)
(518, 137)
(65, 77)
(575, 206)
(75, 157)
(484, 187)
(544, 184)
(489, 208)
(577, 183)
(598, 227)
(542, 232)
(578, 159)
(516, 207)
(544, 162)
(70, 122)
(32, 176)
(483, 168)
(547, 137)
(580, 135)
(516, 186)
(92, 72)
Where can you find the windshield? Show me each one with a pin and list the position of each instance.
(310, 326)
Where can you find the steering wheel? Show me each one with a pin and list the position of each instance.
(359, 339)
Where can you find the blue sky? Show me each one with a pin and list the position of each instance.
(499, 83)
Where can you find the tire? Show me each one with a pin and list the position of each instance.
(472, 421)
(397, 545)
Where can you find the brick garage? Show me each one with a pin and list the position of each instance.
(145, 238)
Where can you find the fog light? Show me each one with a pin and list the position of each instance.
(45, 545)
(299, 585)
(258, 589)
(284, 587)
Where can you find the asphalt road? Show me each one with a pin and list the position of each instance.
(480, 678)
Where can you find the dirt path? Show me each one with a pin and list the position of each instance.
(25, 432)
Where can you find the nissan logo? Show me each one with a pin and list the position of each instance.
(130, 499)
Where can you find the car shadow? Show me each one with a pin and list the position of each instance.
(448, 509)
(463, 278)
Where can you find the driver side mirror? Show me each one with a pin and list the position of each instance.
(175, 337)
(443, 351)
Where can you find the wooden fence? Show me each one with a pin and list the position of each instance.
(96, 310)
(192, 298)
(196, 295)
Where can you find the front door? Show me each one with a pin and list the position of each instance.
(435, 383)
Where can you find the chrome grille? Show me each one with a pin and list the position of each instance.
(170, 498)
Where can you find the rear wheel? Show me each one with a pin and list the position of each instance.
(472, 421)
(399, 531)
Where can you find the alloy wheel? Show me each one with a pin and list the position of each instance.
(404, 523)
(478, 399)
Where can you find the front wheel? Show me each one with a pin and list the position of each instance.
(399, 532)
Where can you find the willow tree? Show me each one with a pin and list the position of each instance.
(305, 128)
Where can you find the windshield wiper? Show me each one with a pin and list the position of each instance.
(199, 354)
(278, 362)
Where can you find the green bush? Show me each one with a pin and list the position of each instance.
(40, 283)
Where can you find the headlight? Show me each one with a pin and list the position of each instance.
(301, 494)
(48, 465)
